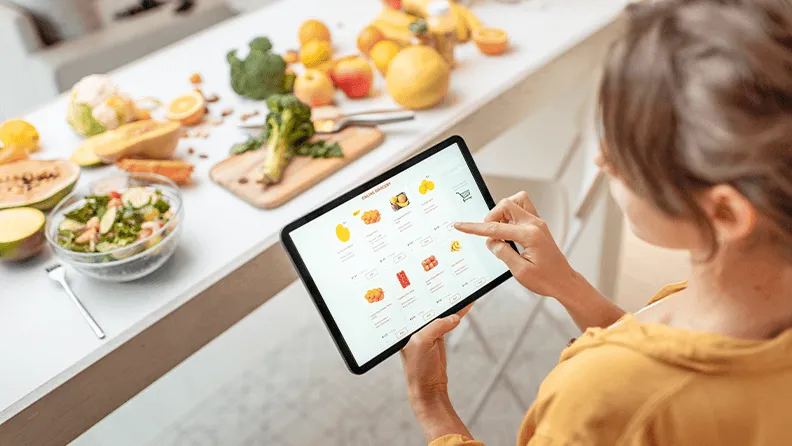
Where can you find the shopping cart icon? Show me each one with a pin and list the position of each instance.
(465, 195)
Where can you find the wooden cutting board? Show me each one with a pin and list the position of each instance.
(237, 174)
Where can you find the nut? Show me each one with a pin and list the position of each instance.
(203, 156)
(227, 112)
(196, 78)
(213, 98)
(243, 180)
(190, 150)
(291, 57)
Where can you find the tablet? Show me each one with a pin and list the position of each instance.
(383, 260)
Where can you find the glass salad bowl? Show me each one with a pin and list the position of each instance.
(135, 258)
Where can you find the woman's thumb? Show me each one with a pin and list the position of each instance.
(442, 326)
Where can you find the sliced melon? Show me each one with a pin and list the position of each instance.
(141, 139)
(85, 157)
(39, 184)
(21, 233)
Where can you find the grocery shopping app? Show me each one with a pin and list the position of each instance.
(389, 260)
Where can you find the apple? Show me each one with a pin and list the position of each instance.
(395, 4)
(354, 76)
(314, 88)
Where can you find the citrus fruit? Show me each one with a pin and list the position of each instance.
(9, 154)
(315, 53)
(418, 77)
(16, 132)
(383, 53)
(313, 30)
(491, 41)
(367, 38)
(188, 109)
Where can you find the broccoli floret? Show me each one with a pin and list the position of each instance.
(261, 74)
(290, 130)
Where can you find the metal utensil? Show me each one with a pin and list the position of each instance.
(58, 274)
(364, 119)
(324, 126)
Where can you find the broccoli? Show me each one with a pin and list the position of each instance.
(261, 74)
(290, 129)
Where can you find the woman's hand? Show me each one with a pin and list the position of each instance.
(541, 267)
(424, 361)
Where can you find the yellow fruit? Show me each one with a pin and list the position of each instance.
(383, 53)
(422, 189)
(315, 53)
(9, 154)
(471, 21)
(367, 38)
(430, 185)
(418, 77)
(462, 30)
(356, 213)
(188, 109)
(16, 132)
(313, 30)
(491, 41)
(342, 232)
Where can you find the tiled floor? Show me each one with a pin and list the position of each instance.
(298, 392)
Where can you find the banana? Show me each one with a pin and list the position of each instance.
(394, 25)
(471, 21)
(417, 7)
(463, 31)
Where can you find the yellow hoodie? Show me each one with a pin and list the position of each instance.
(650, 384)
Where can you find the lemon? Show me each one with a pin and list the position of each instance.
(315, 53)
(418, 77)
(19, 133)
(313, 30)
(382, 53)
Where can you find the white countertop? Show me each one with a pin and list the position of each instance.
(43, 339)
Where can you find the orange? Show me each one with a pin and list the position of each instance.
(383, 53)
(367, 38)
(313, 30)
(188, 109)
(491, 41)
(315, 53)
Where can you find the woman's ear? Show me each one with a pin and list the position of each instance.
(733, 217)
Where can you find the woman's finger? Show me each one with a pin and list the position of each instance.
(428, 335)
(504, 251)
(508, 210)
(523, 200)
(492, 229)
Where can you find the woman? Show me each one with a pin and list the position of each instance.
(696, 105)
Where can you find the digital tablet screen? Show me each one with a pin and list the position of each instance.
(388, 260)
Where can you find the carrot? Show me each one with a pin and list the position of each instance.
(178, 171)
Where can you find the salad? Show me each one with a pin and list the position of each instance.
(109, 222)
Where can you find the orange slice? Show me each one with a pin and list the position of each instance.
(491, 41)
(188, 109)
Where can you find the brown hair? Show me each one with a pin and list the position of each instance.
(699, 93)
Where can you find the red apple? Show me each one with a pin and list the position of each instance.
(354, 76)
(395, 4)
(314, 88)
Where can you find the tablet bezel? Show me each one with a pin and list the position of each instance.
(316, 296)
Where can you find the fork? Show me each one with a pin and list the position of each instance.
(58, 274)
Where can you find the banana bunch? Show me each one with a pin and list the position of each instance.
(456, 246)
(394, 24)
